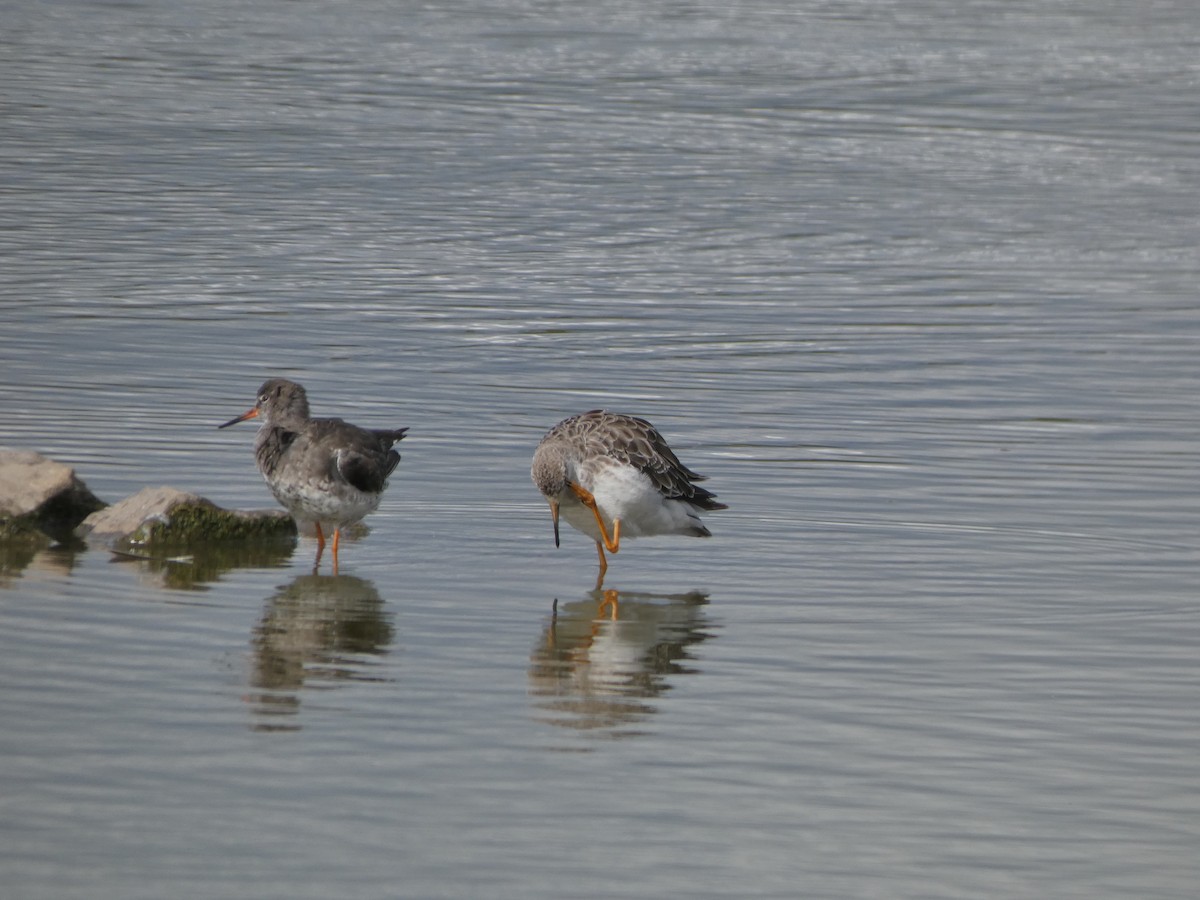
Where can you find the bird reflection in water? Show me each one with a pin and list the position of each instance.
(320, 629)
(600, 661)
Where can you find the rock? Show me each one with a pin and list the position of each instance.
(168, 517)
(40, 500)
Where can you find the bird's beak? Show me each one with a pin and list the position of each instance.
(248, 414)
(554, 517)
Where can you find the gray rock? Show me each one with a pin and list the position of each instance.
(168, 517)
(40, 499)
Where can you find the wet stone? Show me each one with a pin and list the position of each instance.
(171, 518)
(41, 501)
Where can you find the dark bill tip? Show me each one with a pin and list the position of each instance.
(249, 414)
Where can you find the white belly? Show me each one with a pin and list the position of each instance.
(624, 493)
(338, 505)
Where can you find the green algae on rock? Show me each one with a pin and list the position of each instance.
(168, 517)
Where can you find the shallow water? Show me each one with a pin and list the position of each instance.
(913, 284)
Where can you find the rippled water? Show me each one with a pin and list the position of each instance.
(914, 284)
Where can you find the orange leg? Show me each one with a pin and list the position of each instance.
(613, 544)
(337, 533)
(320, 547)
(603, 566)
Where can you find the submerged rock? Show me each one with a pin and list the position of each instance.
(41, 500)
(171, 518)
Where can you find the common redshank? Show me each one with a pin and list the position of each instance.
(613, 476)
(322, 470)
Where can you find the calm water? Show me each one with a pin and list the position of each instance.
(913, 283)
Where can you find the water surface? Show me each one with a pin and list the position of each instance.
(914, 284)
